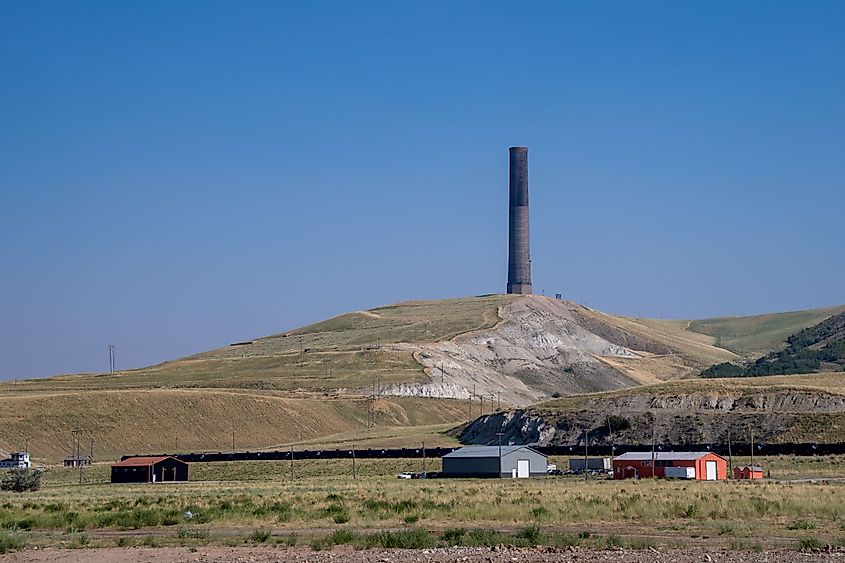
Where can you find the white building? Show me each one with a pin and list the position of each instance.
(18, 460)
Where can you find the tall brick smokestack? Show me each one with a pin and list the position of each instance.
(519, 255)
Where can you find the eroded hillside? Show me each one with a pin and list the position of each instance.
(776, 409)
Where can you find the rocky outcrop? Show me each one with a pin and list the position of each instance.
(778, 415)
(542, 347)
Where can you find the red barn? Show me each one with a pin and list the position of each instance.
(748, 472)
(701, 466)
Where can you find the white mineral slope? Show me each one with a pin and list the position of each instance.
(539, 348)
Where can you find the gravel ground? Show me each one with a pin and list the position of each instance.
(446, 555)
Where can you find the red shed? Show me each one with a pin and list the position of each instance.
(701, 466)
(748, 472)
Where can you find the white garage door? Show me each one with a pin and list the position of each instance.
(711, 470)
(523, 468)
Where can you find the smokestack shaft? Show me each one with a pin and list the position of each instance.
(519, 255)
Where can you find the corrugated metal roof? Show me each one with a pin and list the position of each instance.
(140, 461)
(662, 456)
(488, 451)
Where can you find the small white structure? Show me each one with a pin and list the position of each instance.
(16, 460)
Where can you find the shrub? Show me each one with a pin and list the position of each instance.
(454, 536)
(259, 536)
(151, 541)
(613, 541)
(341, 518)
(407, 539)
(641, 543)
(411, 519)
(530, 535)
(809, 542)
(20, 480)
(726, 529)
(341, 537)
(290, 540)
(801, 525)
(11, 541)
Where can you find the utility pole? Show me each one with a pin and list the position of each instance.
(492, 402)
(481, 405)
(586, 461)
(471, 398)
(499, 402)
(423, 459)
(291, 463)
(353, 462)
(610, 435)
(177, 444)
(752, 448)
(653, 471)
(499, 435)
(730, 457)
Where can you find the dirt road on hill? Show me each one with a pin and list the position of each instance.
(446, 555)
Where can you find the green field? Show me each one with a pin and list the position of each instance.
(758, 335)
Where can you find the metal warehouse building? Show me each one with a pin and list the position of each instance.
(701, 466)
(149, 470)
(495, 461)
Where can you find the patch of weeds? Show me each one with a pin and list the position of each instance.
(809, 542)
(78, 541)
(193, 533)
(691, 510)
(613, 541)
(122, 541)
(801, 525)
(565, 540)
(289, 540)
(454, 536)
(11, 541)
(539, 512)
(641, 543)
(726, 529)
(259, 536)
(583, 535)
(319, 544)
(151, 541)
(341, 518)
(412, 519)
(406, 539)
(342, 537)
(529, 535)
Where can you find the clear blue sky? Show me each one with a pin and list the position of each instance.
(179, 175)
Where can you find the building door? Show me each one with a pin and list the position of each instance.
(523, 468)
(710, 466)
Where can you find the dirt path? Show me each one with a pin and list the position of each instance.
(446, 555)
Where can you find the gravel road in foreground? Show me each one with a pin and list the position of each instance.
(446, 555)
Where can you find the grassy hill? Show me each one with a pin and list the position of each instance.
(818, 348)
(135, 421)
(758, 335)
(317, 377)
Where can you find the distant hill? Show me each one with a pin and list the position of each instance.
(757, 335)
(814, 349)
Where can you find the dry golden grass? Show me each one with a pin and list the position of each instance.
(324, 498)
(136, 421)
